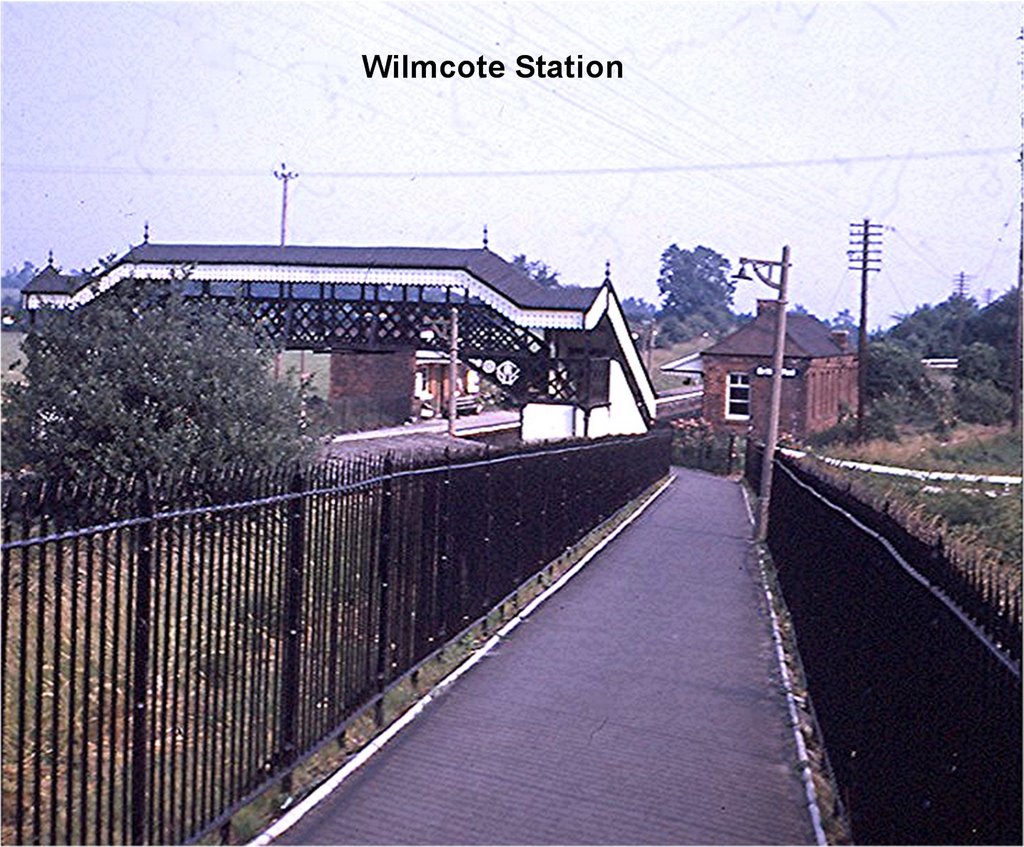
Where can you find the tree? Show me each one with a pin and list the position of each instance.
(638, 309)
(696, 289)
(931, 330)
(14, 280)
(995, 326)
(844, 320)
(981, 385)
(898, 390)
(145, 379)
(11, 314)
(538, 271)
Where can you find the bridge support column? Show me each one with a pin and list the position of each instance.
(371, 389)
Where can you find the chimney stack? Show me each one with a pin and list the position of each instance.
(767, 307)
(842, 339)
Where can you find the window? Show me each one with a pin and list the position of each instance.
(737, 397)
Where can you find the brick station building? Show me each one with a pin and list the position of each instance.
(819, 376)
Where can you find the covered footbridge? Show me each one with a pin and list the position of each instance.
(563, 355)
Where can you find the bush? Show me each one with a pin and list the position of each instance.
(143, 379)
(981, 402)
(697, 444)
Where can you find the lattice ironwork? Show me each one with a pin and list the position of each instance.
(374, 324)
(531, 371)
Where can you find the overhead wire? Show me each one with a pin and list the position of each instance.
(839, 161)
(722, 128)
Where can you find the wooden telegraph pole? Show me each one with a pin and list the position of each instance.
(1017, 376)
(285, 176)
(453, 370)
(865, 255)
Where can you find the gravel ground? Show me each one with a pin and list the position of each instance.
(405, 446)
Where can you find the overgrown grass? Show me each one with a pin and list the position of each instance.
(968, 448)
(985, 516)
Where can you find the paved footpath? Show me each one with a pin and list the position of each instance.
(641, 704)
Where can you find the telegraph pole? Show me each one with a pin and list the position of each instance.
(1017, 376)
(961, 289)
(453, 370)
(1015, 409)
(865, 255)
(285, 176)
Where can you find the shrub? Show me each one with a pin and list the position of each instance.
(981, 402)
(143, 378)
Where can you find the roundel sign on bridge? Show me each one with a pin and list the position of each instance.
(507, 372)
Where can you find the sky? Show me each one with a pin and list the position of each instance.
(741, 127)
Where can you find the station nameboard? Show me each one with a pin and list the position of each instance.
(765, 370)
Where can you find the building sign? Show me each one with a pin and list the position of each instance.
(787, 373)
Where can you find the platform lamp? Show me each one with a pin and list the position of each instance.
(764, 269)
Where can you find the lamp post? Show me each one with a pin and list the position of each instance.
(451, 334)
(764, 269)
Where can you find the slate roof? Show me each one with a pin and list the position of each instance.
(488, 267)
(51, 281)
(806, 337)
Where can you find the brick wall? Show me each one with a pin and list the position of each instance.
(371, 389)
(811, 402)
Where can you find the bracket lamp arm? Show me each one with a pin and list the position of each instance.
(757, 265)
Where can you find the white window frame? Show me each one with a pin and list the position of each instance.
(742, 381)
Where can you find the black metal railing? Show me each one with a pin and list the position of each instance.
(913, 664)
(172, 647)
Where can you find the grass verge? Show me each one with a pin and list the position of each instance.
(969, 448)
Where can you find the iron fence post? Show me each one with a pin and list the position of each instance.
(140, 665)
(383, 574)
(291, 622)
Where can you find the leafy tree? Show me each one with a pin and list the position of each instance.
(638, 309)
(980, 402)
(11, 314)
(538, 271)
(977, 385)
(899, 390)
(696, 289)
(931, 330)
(844, 319)
(145, 379)
(14, 280)
(979, 362)
(995, 326)
(895, 372)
